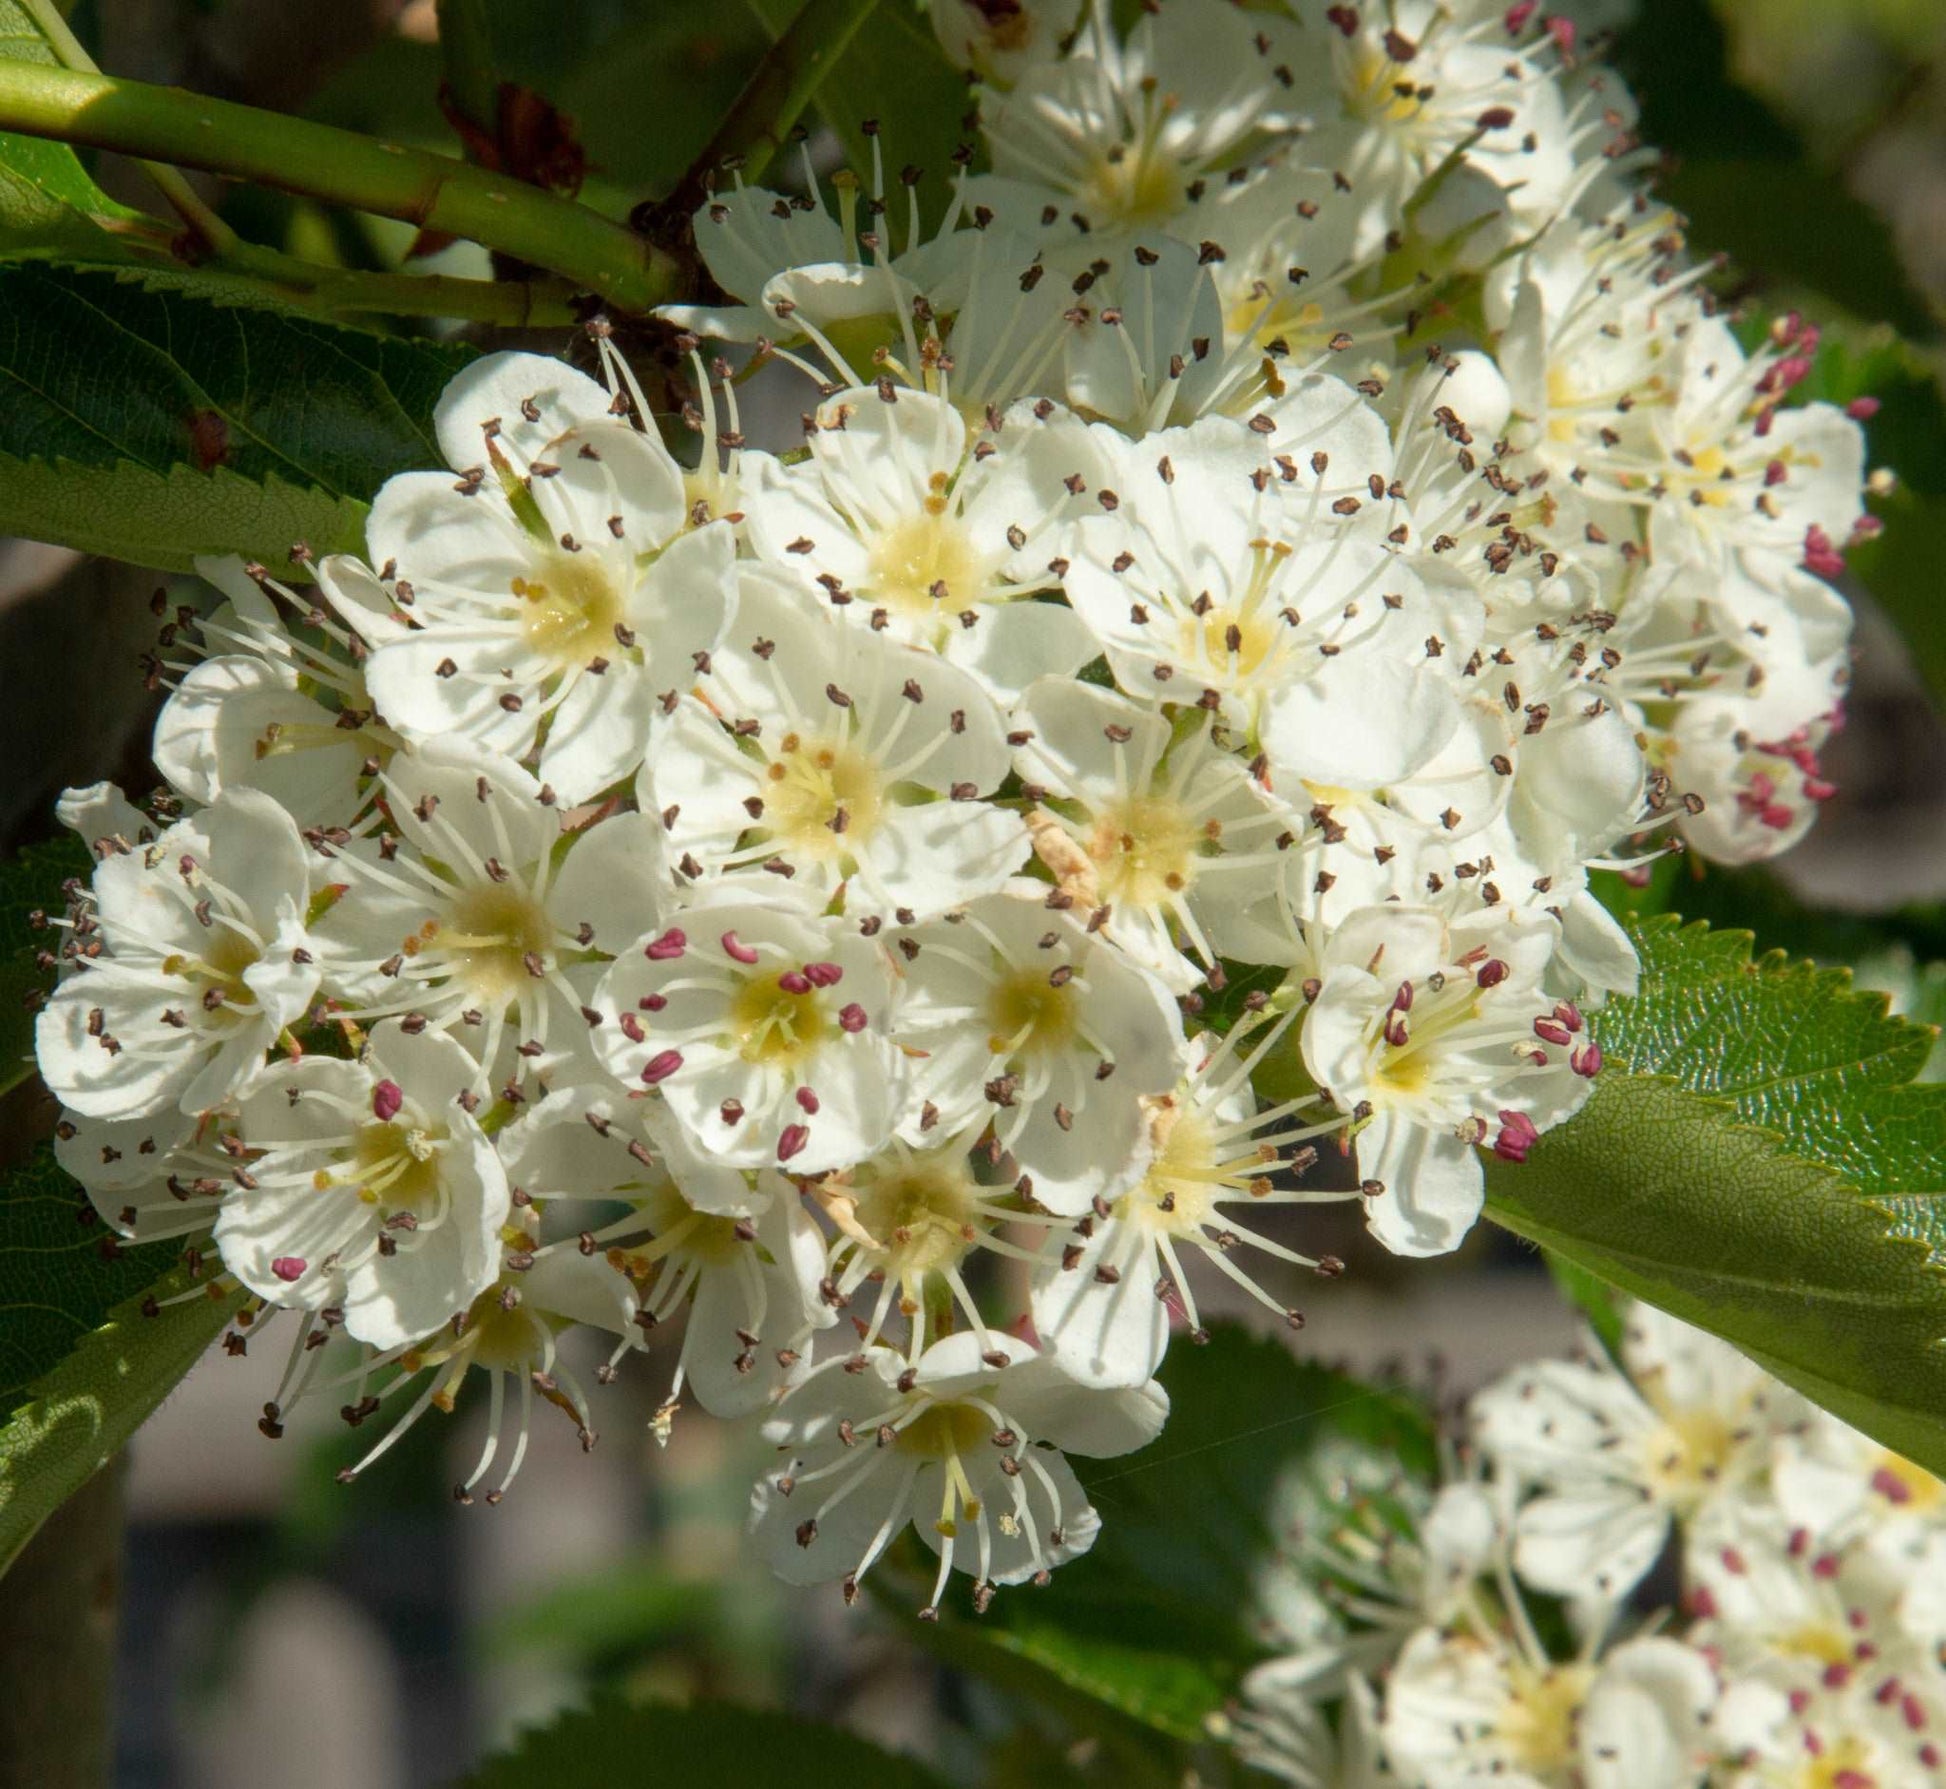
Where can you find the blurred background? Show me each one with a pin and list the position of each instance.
(276, 1627)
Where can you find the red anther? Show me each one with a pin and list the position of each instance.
(1569, 1014)
(1402, 1000)
(823, 975)
(1775, 473)
(1491, 973)
(1889, 1485)
(1395, 1032)
(1733, 1562)
(791, 1141)
(852, 1018)
(670, 945)
(1913, 1712)
(1862, 409)
(734, 947)
(660, 1067)
(653, 1003)
(807, 1100)
(1344, 17)
(632, 1028)
(289, 1267)
(1563, 33)
(1824, 1566)
(1777, 817)
(1586, 1061)
(1835, 1677)
(1517, 1136)
(1550, 1032)
(1518, 14)
(794, 981)
(1820, 555)
(387, 1099)
(1799, 1543)
(1816, 789)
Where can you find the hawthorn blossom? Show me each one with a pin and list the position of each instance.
(1439, 1040)
(966, 1446)
(367, 1186)
(903, 519)
(1104, 1308)
(764, 1026)
(1015, 1010)
(1617, 1459)
(552, 589)
(204, 959)
(835, 755)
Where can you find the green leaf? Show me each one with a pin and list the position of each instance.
(1789, 1046)
(30, 883)
(1159, 1620)
(48, 204)
(1756, 1160)
(78, 1415)
(709, 1745)
(61, 1273)
(893, 72)
(1744, 177)
(142, 420)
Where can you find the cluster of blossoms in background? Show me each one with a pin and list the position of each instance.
(1515, 1627)
(1282, 528)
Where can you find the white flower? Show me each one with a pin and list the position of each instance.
(367, 1187)
(1439, 1039)
(1104, 1308)
(904, 522)
(909, 1219)
(250, 715)
(1461, 1711)
(1020, 1012)
(963, 1446)
(1838, 1484)
(1392, 92)
(1615, 1462)
(1161, 824)
(838, 757)
(1142, 134)
(554, 591)
(1227, 581)
(204, 961)
(764, 1025)
(1002, 39)
(466, 918)
(743, 1258)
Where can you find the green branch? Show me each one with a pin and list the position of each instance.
(339, 167)
(759, 122)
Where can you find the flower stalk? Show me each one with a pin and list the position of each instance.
(339, 167)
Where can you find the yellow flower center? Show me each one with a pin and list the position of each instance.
(570, 609)
(1027, 1014)
(921, 1213)
(944, 1430)
(927, 564)
(393, 1165)
(1145, 849)
(820, 794)
(1133, 183)
(1687, 1453)
(774, 1026)
(1537, 1725)
(490, 932)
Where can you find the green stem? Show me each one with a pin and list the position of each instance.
(334, 291)
(759, 122)
(340, 167)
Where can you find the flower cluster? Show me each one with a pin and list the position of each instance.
(1499, 1630)
(1281, 529)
